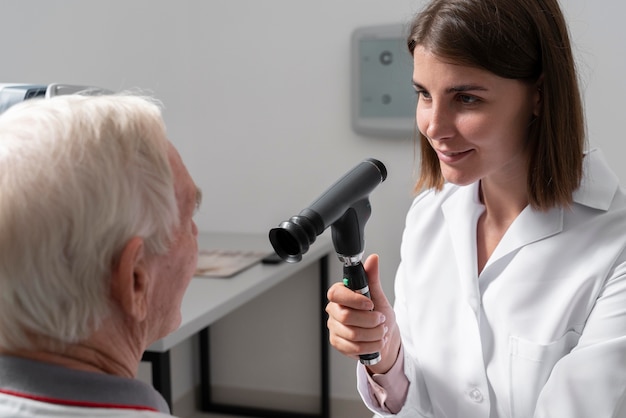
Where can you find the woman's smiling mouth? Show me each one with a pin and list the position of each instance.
(450, 157)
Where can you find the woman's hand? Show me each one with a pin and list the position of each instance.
(358, 325)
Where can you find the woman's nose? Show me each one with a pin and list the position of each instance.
(439, 121)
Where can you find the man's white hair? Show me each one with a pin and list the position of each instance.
(79, 176)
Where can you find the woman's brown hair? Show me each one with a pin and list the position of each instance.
(515, 39)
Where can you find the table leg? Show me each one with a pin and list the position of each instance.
(207, 404)
(324, 351)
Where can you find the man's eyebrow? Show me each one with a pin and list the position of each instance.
(198, 199)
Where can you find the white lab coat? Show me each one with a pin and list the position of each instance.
(21, 407)
(541, 332)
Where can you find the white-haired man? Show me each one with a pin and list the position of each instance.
(97, 247)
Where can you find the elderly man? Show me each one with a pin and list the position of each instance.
(97, 247)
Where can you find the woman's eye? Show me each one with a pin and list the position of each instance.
(422, 93)
(467, 99)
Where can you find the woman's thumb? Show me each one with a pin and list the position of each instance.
(373, 277)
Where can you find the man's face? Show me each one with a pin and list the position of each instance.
(173, 271)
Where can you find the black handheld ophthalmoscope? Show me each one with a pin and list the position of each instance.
(345, 207)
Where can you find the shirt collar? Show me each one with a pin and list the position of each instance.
(56, 384)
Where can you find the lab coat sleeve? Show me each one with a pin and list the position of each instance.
(417, 403)
(590, 381)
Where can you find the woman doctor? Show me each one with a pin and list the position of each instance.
(510, 299)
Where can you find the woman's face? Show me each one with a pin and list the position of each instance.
(476, 122)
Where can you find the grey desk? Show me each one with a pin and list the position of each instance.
(209, 299)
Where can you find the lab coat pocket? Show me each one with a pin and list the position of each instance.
(530, 367)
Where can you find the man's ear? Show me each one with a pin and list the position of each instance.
(130, 280)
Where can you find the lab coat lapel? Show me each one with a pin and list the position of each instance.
(530, 226)
(461, 212)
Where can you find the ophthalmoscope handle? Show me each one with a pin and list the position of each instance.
(355, 278)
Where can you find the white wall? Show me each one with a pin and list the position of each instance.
(258, 102)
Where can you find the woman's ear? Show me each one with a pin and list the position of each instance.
(130, 280)
(538, 96)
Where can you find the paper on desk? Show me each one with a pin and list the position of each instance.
(226, 263)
